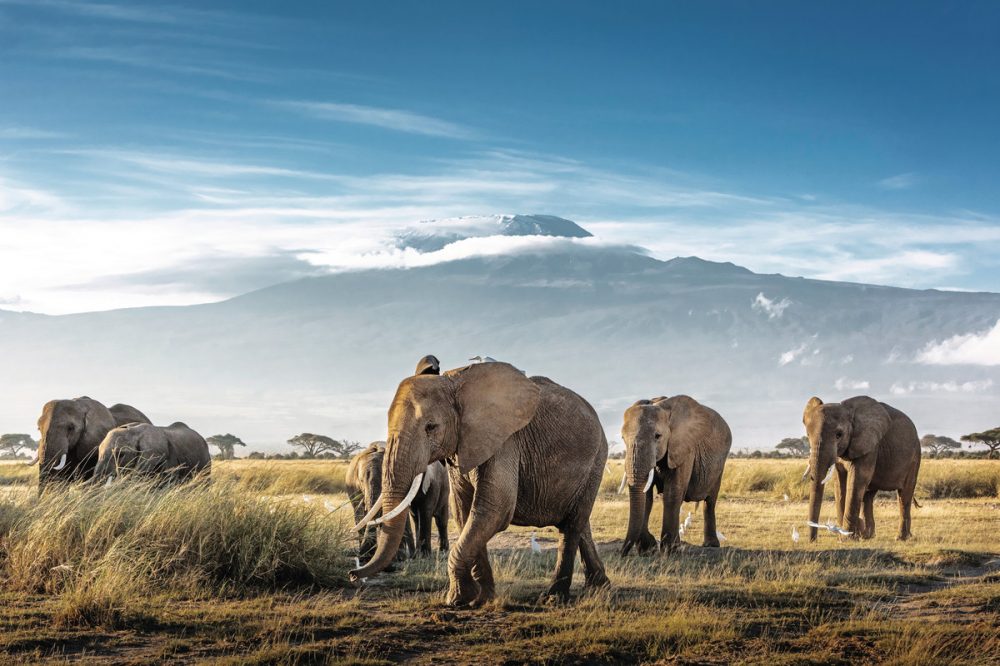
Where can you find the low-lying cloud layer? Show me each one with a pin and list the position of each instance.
(981, 348)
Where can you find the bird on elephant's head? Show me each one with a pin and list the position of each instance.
(864, 446)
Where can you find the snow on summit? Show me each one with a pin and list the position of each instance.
(432, 235)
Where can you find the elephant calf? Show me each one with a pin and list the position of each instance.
(681, 446)
(364, 486)
(872, 446)
(175, 452)
(431, 504)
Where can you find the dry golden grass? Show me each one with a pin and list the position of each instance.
(761, 599)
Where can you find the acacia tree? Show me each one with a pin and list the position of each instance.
(11, 444)
(313, 445)
(989, 438)
(226, 444)
(935, 445)
(794, 446)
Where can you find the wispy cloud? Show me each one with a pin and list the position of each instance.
(901, 181)
(845, 384)
(773, 308)
(17, 133)
(392, 119)
(907, 388)
(979, 348)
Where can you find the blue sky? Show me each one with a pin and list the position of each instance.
(837, 141)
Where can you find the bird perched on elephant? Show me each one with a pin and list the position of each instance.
(521, 451)
(71, 432)
(871, 446)
(173, 453)
(678, 446)
(363, 482)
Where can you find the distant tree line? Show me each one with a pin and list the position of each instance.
(984, 444)
(307, 446)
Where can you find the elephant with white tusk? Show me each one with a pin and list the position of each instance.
(871, 446)
(680, 446)
(521, 451)
(364, 489)
(72, 431)
(172, 453)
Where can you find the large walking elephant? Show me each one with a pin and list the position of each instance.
(678, 446)
(871, 446)
(71, 432)
(175, 452)
(363, 482)
(521, 451)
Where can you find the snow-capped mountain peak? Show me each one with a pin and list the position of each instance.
(432, 235)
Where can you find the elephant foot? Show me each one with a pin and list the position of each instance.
(904, 537)
(425, 552)
(596, 581)
(463, 594)
(711, 543)
(646, 543)
(554, 597)
(668, 545)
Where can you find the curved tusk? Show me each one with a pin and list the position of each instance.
(649, 481)
(376, 507)
(621, 486)
(828, 474)
(805, 474)
(402, 506)
(62, 463)
(34, 461)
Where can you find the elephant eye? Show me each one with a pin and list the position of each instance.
(431, 427)
(656, 436)
(71, 427)
(840, 433)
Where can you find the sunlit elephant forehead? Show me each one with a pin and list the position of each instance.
(415, 392)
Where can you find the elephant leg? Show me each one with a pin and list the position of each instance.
(568, 545)
(905, 497)
(840, 491)
(858, 477)
(711, 533)
(488, 513)
(442, 527)
(593, 568)
(482, 573)
(424, 530)
(868, 527)
(675, 486)
(647, 542)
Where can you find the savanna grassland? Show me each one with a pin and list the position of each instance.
(252, 568)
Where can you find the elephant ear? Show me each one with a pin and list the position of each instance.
(869, 424)
(686, 429)
(811, 406)
(494, 401)
(97, 423)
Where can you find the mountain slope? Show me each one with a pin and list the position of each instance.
(325, 354)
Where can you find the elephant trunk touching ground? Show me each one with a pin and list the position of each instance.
(401, 477)
(821, 459)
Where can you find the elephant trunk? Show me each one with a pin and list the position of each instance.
(636, 517)
(389, 537)
(816, 472)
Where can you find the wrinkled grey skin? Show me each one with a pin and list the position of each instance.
(874, 447)
(428, 365)
(364, 485)
(521, 452)
(125, 414)
(687, 445)
(73, 427)
(431, 506)
(174, 453)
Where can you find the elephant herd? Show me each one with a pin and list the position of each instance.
(499, 448)
(515, 450)
(82, 440)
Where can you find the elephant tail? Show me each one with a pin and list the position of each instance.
(916, 503)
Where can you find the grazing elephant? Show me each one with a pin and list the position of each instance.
(872, 447)
(431, 505)
(176, 452)
(125, 414)
(678, 446)
(521, 451)
(428, 365)
(364, 487)
(72, 431)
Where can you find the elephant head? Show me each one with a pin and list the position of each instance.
(464, 416)
(369, 477)
(848, 430)
(653, 430)
(71, 432)
(136, 447)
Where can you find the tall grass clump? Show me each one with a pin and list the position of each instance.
(957, 479)
(286, 478)
(105, 547)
